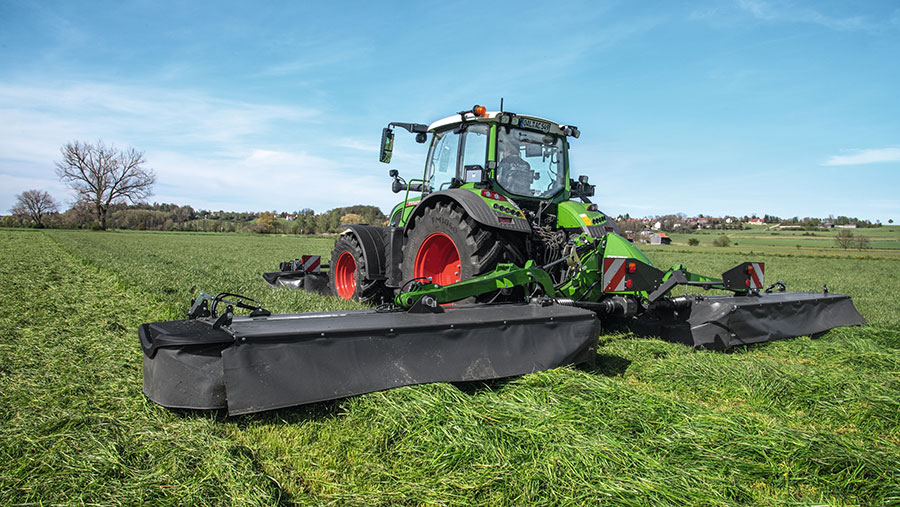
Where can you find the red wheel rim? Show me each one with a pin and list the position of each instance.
(345, 275)
(438, 259)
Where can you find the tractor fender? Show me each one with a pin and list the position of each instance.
(371, 239)
(474, 206)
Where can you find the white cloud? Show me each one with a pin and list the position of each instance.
(265, 180)
(765, 11)
(321, 55)
(39, 118)
(357, 144)
(14, 185)
(204, 149)
(871, 156)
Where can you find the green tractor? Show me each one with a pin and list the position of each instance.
(496, 189)
(495, 264)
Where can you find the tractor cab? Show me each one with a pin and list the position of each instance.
(522, 158)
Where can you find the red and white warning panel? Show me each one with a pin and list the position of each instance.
(614, 274)
(310, 263)
(755, 275)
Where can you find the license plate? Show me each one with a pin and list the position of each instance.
(528, 123)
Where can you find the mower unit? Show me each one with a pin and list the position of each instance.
(489, 270)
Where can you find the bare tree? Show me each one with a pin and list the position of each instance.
(102, 175)
(862, 242)
(34, 205)
(844, 238)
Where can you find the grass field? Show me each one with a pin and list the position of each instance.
(796, 422)
(882, 240)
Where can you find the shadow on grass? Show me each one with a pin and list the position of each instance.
(319, 411)
(607, 365)
(291, 415)
(603, 364)
(475, 387)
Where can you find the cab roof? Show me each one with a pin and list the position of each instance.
(491, 117)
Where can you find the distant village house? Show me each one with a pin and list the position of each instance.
(660, 238)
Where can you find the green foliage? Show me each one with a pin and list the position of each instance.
(797, 422)
(351, 218)
(265, 223)
(171, 217)
(722, 241)
(693, 241)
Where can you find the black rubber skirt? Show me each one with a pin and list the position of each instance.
(265, 363)
(723, 322)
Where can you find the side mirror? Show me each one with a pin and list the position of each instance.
(421, 137)
(387, 145)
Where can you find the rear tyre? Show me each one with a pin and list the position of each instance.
(447, 245)
(347, 267)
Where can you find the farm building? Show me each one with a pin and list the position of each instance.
(660, 238)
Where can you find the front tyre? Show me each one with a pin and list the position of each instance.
(348, 266)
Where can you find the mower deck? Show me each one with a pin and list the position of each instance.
(265, 363)
(723, 322)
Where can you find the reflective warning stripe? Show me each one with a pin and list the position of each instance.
(757, 275)
(311, 263)
(613, 274)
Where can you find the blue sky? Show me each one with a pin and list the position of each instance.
(723, 107)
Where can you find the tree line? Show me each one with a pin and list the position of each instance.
(110, 186)
(172, 217)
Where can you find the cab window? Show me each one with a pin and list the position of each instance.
(442, 161)
(475, 142)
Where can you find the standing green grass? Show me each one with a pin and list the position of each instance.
(75, 426)
(796, 422)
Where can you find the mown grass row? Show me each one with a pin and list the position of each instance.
(796, 422)
(75, 426)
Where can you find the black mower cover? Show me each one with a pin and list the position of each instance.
(723, 322)
(265, 363)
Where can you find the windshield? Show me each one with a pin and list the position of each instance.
(530, 163)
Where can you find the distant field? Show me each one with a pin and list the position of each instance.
(880, 239)
(796, 422)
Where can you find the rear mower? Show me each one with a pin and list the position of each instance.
(487, 268)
